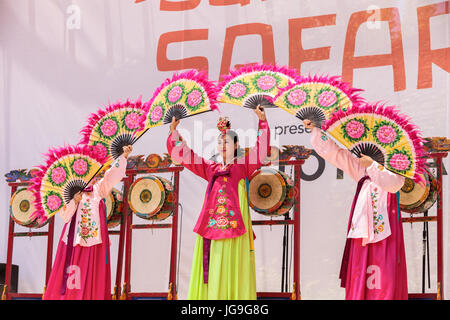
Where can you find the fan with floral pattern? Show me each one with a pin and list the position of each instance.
(382, 133)
(316, 97)
(251, 85)
(112, 128)
(185, 94)
(66, 171)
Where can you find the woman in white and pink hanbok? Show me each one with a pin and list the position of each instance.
(82, 271)
(373, 265)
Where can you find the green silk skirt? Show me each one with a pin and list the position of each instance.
(231, 265)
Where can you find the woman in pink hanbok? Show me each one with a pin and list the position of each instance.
(373, 265)
(223, 266)
(82, 271)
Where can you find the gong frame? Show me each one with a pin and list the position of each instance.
(127, 293)
(438, 219)
(6, 294)
(126, 228)
(295, 294)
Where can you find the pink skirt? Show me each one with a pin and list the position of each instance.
(377, 271)
(89, 271)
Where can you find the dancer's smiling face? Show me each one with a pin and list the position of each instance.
(227, 145)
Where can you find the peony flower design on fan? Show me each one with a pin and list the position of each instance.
(185, 94)
(195, 99)
(254, 85)
(355, 129)
(266, 81)
(58, 175)
(316, 97)
(386, 134)
(108, 127)
(132, 120)
(80, 167)
(237, 90)
(101, 149)
(328, 98)
(174, 93)
(399, 160)
(156, 114)
(53, 201)
(297, 97)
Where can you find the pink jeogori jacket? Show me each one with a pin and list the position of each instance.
(221, 216)
(370, 219)
(87, 227)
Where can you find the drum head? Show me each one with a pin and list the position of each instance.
(291, 194)
(116, 217)
(267, 190)
(424, 203)
(430, 200)
(110, 203)
(412, 194)
(21, 206)
(169, 204)
(146, 196)
(432, 196)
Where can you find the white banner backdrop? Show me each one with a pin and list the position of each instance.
(62, 60)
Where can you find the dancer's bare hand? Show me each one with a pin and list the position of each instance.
(77, 197)
(365, 161)
(308, 124)
(127, 150)
(260, 113)
(174, 124)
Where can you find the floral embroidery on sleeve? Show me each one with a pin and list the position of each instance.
(378, 223)
(116, 163)
(87, 227)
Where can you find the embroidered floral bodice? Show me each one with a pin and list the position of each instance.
(87, 227)
(221, 216)
(370, 218)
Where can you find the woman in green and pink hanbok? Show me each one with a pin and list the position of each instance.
(223, 265)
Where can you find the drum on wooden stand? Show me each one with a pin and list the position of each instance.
(21, 207)
(169, 203)
(114, 205)
(271, 192)
(418, 197)
(291, 194)
(151, 198)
